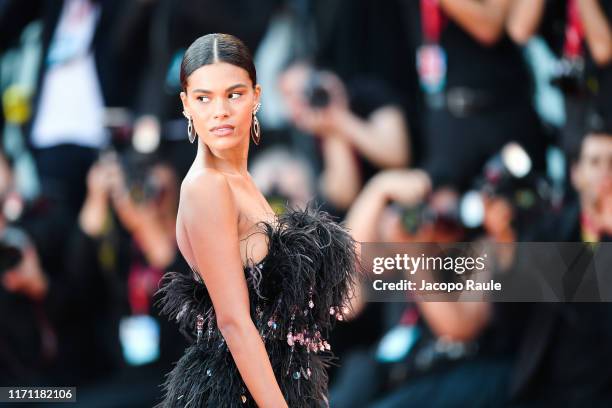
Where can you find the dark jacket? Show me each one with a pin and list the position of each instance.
(564, 354)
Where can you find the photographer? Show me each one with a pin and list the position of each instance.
(480, 338)
(579, 32)
(78, 77)
(359, 125)
(425, 331)
(27, 338)
(123, 243)
(564, 355)
(372, 220)
(475, 87)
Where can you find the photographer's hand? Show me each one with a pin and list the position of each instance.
(382, 138)
(597, 31)
(484, 20)
(95, 209)
(129, 212)
(321, 122)
(141, 220)
(325, 121)
(524, 19)
(143, 223)
(28, 277)
(406, 187)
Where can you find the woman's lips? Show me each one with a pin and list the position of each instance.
(223, 130)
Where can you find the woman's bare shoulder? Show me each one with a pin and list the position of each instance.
(206, 187)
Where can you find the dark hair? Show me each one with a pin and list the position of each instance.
(595, 124)
(213, 48)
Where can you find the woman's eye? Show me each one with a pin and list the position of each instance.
(203, 98)
(235, 95)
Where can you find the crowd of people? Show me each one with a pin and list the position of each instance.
(386, 114)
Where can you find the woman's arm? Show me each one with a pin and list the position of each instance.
(483, 19)
(524, 19)
(209, 214)
(597, 31)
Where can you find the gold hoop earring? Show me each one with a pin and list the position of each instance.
(255, 128)
(190, 131)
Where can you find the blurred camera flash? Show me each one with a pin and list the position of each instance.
(472, 209)
(146, 136)
(516, 160)
(13, 207)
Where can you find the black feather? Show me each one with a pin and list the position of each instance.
(310, 268)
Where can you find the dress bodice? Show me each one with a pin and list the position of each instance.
(296, 293)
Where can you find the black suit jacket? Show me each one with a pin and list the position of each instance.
(564, 352)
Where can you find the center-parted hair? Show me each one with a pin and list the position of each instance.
(212, 48)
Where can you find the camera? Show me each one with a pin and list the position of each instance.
(136, 168)
(10, 256)
(508, 175)
(413, 218)
(12, 243)
(317, 96)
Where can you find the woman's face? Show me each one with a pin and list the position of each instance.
(220, 98)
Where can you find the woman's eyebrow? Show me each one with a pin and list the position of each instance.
(231, 88)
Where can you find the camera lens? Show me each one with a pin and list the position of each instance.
(316, 95)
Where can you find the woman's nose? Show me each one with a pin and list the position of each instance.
(221, 108)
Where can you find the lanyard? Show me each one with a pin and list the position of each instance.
(574, 31)
(410, 316)
(432, 20)
(143, 281)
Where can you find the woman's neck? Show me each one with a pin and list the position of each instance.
(232, 162)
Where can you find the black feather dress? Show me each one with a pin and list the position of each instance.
(296, 294)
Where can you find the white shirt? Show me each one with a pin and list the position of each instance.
(71, 105)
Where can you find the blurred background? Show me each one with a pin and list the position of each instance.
(485, 121)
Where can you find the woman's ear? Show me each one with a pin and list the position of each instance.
(257, 91)
(184, 100)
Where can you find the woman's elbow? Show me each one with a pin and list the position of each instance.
(233, 326)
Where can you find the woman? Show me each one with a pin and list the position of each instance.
(266, 289)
